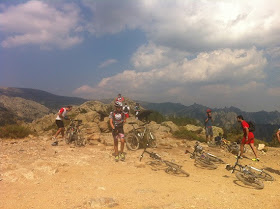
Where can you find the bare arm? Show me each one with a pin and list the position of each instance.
(278, 135)
(111, 123)
(247, 133)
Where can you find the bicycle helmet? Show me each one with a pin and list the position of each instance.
(118, 104)
(208, 110)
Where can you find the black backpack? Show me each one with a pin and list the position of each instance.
(252, 126)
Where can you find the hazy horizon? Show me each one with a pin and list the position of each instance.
(215, 53)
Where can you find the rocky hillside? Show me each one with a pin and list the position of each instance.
(96, 129)
(51, 101)
(266, 122)
(16, 108)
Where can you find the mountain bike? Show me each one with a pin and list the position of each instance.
(249, 175)
(232, 147)
(172, 168)
(203, 158)
(140, 137)
(74, 134)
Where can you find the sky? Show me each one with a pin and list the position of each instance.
(211, 52)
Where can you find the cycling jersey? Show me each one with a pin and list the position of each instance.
(118, 118)
(63, 112)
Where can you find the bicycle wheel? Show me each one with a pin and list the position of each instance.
(249, 179)
(265, 176)
(175, 169)
(80, 140)
(132, 142)
(204, 162)
(69, 136)
(215, 158)
(152, 140)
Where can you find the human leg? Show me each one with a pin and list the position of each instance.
(254, 150)
(241, 149)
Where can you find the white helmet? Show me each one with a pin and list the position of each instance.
(118, 104)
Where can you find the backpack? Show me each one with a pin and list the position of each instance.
(126, 110)
(252, 126)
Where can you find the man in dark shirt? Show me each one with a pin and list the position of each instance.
(208, 127)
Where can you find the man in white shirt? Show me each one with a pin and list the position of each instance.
(62, 114)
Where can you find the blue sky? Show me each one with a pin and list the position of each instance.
(215, 53)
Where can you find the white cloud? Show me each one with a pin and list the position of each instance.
(107, 63)
(192, 25)
(38, 23)
(183, 79)
(153, 56)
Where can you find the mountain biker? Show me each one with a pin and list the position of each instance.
(126, 110)
(120, 99)
(117, 120)
(62, 114)
(208, 126)
(137, 110)
(248, 137)
(278, 135)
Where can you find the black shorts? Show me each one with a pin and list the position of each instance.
(59, 123)
(118, 130)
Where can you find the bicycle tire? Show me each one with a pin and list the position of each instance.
(249, 179)
(265, 176)
(204, 162)
(215, 159)
(80, 140)
(152, 140)
(69, 135)
(175, 169)
(132, 142)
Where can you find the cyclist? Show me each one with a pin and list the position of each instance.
(62, 114)
(248, 137)
(126, 110)
(117, 120)
(137, 110)
(278, 135)
(120, 99)
(208, 126)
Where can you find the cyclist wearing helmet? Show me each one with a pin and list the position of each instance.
(208, 126)
(117, 120)
(120, 98)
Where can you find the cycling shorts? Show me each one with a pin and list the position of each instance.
(118, 132)
(59, 123)
(209, 131)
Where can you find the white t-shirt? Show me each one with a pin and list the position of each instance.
(63, 112)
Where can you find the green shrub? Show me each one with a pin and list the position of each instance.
(183, 133)
(14, 131)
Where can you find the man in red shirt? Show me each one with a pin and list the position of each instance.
(248, 137)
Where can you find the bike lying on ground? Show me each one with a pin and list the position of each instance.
(172, 168)
(140, 137)
(231, 147)
(249, 175)
(203, 158)
(74, 134)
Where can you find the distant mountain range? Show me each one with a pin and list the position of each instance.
(35, 103)
(266, 122)
(47, 99)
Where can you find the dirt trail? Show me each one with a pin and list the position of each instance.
(36, 175)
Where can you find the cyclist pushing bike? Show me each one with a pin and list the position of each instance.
(62, 114)
(117, 120)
